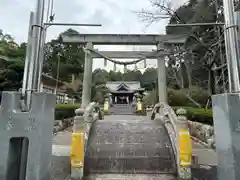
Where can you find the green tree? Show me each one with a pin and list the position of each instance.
(65, 59)
(149, 79)
(132, 75)
(11, 76)
(100, 76)
(12, 65)
(115, 76)
(204, 47)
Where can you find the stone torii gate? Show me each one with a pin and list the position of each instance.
(161, 41)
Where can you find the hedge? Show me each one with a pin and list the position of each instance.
(200, 115)
(179, 97)
(63, 111)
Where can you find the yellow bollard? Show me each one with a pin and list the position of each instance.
(106, 107)
(185, 148)
(139, 106)
(77, 150)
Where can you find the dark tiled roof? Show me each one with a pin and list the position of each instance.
(128, 85)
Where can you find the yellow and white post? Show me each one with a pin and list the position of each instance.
(77, 146)
(106, 106)
(139, 105)
(185, 146)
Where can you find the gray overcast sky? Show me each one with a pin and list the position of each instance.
(116, 16)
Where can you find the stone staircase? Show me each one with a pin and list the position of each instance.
(118, 148)
(122, 109)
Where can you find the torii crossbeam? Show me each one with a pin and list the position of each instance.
(123, 39)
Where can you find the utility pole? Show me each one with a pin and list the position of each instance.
(34, 42)
(232, 39)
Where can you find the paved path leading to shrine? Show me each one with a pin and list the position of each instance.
(61, 149)
(60, 155)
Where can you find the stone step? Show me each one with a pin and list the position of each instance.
(122, 109)
(137, 150)
(145, 165)
(130, 177)
(129, 146)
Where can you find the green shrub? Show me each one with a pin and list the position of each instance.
(176, 98)
(150, 99)
(198, 94)
(179, 97)
(200, 115)
(63, 111)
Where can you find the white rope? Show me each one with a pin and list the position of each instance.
(124, 63)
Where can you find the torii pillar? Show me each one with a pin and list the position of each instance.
(125, 68)
(161, 71)
(87, 77)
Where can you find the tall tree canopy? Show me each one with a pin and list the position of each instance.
(204, 48)
(65, 59)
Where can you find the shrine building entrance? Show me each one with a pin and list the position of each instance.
(123, 92)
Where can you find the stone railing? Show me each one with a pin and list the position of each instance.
(179, 135)
(91, 114)
(202, 133)
(60, 125)
(83, 122)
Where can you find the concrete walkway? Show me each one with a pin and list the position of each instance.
(60, 155)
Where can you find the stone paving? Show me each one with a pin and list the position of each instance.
(60, 155)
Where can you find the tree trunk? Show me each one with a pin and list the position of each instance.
(181, 75)
(211, 82)
(188, 64)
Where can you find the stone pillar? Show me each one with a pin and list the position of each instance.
(227, 134)
(125, 68)
(87, 78)
(162, 82)
(41, 87)
(26, 137)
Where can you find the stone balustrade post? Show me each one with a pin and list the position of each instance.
(184, 144)
(77, 146)
(182, 120)
(78, 120)
(106, 106)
